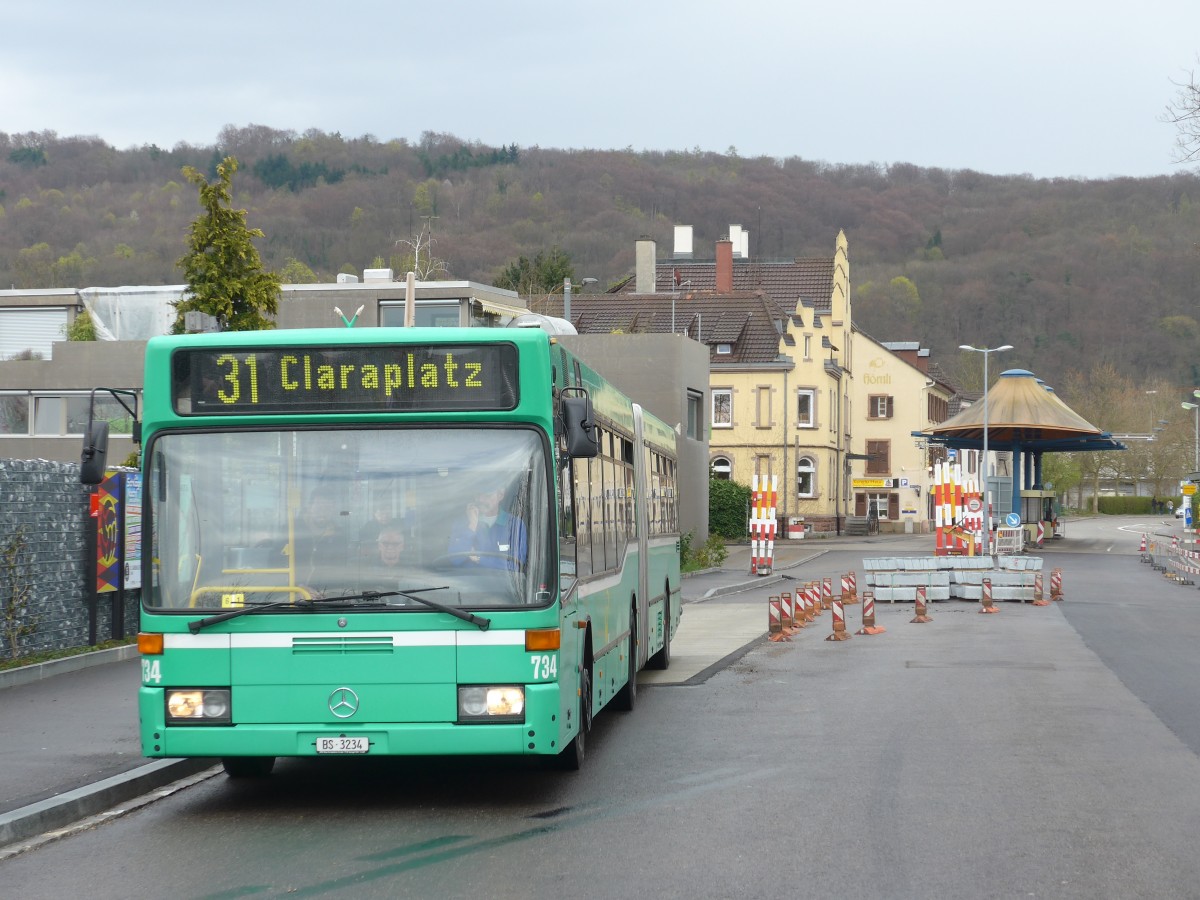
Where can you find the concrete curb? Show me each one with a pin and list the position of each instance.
(759, 581)
(64, 809)
(38, 671)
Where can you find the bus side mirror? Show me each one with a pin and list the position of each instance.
(579, 427)
(95, 454)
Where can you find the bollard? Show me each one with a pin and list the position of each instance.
(868, 617)
(985, 597)
(839, 623)
(922, 608)
(827, 592)
(1056, 592)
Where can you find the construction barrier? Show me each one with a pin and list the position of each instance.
(1038, 599)
(848, 592)
(922, 608)
(958, 511)
(762, 525)
(868, 616)
(775, 620)
(827, 592)
(1056, 591)
(985, 598)
(839, 623)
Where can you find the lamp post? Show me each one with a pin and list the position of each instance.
(986, 351)
(566, 289)
(1195, 407)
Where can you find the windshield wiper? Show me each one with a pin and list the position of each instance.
(326, 602)
(198, 624)
(479, 622)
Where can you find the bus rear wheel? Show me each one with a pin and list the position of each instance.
(248, 766)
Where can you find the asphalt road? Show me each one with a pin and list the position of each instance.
(1039, 752)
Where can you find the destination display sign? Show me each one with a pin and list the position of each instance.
(360, 379)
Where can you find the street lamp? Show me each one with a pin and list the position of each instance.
(1195, 407)
(986, 351)
(566, 289)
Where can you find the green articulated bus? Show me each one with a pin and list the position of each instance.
(394, 541)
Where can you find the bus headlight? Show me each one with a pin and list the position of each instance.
(488, 703)
(198, 706)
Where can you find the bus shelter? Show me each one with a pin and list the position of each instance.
(1026, 417)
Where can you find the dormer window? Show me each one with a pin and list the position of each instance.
(724, 349)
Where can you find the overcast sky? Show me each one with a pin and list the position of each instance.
(1048, 88)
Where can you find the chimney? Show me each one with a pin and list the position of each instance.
(724, 266)
(683, 242)
(645, 256)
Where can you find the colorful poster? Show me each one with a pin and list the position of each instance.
(133, 530)
(108, 532)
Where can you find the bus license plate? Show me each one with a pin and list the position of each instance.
(343, 744)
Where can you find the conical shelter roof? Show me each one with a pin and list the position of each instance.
(1022, 411)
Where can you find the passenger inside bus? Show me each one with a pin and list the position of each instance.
(320, 545)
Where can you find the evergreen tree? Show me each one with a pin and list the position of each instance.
(224, 274)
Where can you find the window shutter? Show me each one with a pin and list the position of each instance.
(889, 406)
(31, 329)
(893, 506)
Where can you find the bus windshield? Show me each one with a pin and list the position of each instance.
(248, 517)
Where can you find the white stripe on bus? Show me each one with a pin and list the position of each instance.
(396, 638)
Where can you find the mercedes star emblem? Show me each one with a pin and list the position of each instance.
(343, 703)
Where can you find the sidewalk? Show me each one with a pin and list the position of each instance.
(69, 746)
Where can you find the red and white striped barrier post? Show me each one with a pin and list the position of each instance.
(791, 623)
(1142, 547)
(922, 608)
(868, 615)
(985, 597)
(775, 620)
(847, 591)
(812, 595)
(827, 592)
(1056, 592)
(839, 623)
(1038, 599)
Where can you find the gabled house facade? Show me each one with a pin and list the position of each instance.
(778, 335)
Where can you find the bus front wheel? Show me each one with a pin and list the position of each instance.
(573, 755)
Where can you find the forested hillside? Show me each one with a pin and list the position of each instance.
(1072, 273)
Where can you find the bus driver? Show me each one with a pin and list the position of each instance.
(488, 536)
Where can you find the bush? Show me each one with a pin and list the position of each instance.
(1134, 506)
(709, 555)
(728, 509)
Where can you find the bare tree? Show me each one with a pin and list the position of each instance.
(1184, 114)
(418, 257)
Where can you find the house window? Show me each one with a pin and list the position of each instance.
(722, 408)
(695, 417)
(806, 403)
(806, 471)
(879, 460)
(724, 349)
(808, 346)
(31, 331)
(879, 406)
(722, 468)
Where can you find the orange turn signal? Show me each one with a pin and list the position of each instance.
(543, 639)
(150, 644)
